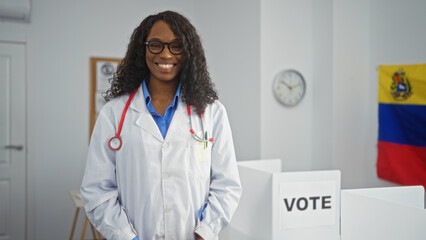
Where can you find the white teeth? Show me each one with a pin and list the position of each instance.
(165, 65)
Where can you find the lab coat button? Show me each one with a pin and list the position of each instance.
(166, 175)
(165, 145)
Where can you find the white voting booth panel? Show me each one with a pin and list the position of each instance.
(286, 205)
(393, 213)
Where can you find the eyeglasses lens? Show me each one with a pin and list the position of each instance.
(157, 47)
(176, 48)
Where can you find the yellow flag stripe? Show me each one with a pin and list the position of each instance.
(410, 90)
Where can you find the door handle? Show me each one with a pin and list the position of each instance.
(14, 147)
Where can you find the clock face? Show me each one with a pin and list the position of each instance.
(289, 87)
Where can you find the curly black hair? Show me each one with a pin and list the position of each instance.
(197, 88)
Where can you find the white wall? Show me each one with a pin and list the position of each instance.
(337, 46)
(230, 36)
(286, 31)
(322, 81)
(351, 20)
(367, 33)
(393, 40)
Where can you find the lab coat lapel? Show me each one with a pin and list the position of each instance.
(180, 119)
(145, 119)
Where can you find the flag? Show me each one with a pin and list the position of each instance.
(402, 124)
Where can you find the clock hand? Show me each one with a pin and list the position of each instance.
(288, 86)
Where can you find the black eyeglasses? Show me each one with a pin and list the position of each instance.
(156, 47)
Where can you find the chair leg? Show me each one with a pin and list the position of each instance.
(93, 232)
(84, 228)
(77, 210)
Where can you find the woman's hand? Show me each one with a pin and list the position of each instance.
(197, 237)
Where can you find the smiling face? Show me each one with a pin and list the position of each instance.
(164, 66)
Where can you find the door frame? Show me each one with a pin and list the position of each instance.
(30, 166)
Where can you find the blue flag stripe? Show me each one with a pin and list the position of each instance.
(403, 124)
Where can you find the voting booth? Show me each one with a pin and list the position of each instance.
(285, 205)
(392, 213)
(310, 205)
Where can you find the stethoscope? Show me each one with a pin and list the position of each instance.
(115, 142)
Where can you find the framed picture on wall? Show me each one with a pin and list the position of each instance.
(101, 71)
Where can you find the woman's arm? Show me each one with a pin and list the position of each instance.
(99, 188)
(225, 186)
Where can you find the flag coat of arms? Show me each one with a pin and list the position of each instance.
(402, 124)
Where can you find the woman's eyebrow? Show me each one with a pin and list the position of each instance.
(154, 39)
(157, 39)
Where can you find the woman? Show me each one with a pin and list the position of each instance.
(169, 172)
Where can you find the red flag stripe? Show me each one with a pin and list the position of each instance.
(401, 163)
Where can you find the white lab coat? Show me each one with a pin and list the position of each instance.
(154, 188)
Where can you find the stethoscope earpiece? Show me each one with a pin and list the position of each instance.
(203, 139)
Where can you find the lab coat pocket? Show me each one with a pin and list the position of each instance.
(200, 159)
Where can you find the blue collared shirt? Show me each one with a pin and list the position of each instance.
(163, 123)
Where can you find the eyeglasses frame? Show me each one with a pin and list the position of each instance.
(163, 44)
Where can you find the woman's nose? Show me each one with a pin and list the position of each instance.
(166, 52)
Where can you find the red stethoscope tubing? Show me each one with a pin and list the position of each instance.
(120, 126)
(125, 111)
(116, 138)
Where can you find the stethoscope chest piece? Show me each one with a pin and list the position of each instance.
(115, 143)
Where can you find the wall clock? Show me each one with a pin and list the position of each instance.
(289, 87)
